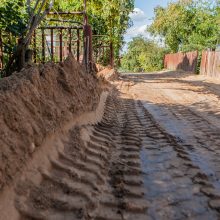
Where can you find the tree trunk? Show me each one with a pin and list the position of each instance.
(20, 56)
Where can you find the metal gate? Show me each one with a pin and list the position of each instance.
(54, 43)
(103, 50)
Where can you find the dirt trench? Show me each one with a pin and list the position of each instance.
(125, 167)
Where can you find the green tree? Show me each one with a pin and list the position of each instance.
(13, 22)
(187, 25)
(107, 17)
(19, 19)
(143, 55)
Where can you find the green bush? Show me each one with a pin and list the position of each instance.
(143, 55)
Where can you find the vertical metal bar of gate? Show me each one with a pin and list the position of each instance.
(61, 45)
(78, 44)
(35, 47)
(43, 45)
(70, 40)
(1, 52)
(100, 53)
(103, 53)
(52, 48)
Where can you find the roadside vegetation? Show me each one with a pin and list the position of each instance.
(143, 55)
(107, 17)
(185, 25)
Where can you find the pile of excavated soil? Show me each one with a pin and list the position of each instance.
(108, 73)
(99, 67)
(35, 103)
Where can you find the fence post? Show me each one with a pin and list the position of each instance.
(43, 45)
(88, 60)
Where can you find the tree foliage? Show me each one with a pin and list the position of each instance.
(143, 55)
(13, 17)
(13, 21)
(187, 24)
(107, 17)
(19, 19)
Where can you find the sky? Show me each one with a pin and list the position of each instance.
(142, 17)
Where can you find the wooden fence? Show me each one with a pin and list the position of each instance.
(210, 63)
(181, 61)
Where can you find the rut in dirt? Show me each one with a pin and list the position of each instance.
(95, 179)
(125, 167)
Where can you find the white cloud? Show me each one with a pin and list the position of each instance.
(137, 15)
(140, 23)
(137, 30)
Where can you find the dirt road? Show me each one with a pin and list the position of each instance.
(154, 155)
(181, 167)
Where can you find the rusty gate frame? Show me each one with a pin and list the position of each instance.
(60, 30)
(87, 37)
(1, 53)
(88, 51)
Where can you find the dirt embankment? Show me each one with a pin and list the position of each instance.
(37, 102)
(108, 73)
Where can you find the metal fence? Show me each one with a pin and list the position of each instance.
(55, 43)
(182, 61)
(103, 50)
(210, 63)
(1, 53)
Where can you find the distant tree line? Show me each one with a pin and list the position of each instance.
(184, 25)
(143, 55)
(188, 25)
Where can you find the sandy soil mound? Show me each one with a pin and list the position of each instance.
(108, 73)
(35, 103)
(99, 67)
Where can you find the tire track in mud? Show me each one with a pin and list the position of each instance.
(125, 167)
(177, 188)
(97, 176)
(203, 147)
(205, 152)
